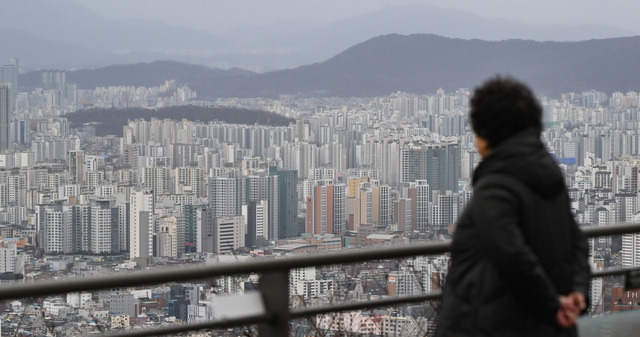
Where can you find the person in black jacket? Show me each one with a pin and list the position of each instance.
(518, 259)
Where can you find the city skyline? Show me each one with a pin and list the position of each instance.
(347, 172)
(345, 130)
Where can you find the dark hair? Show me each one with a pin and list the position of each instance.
(502, 107)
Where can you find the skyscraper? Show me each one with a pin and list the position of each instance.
(288, 224)
(4, 116)
(9, 75)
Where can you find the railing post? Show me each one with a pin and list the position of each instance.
(274, 287)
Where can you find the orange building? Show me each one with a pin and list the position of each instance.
(326, 210)
(354, 186)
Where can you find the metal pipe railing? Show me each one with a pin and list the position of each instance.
(626, 228)
(278, 268)
(192, 273)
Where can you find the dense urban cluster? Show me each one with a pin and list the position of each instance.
(348, 173)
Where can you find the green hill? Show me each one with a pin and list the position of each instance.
(111, 121)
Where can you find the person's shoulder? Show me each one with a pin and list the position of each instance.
(498, 180)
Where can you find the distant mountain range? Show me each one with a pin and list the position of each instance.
(418, 63)
(62, 34)
(65, 34)
(139, 75)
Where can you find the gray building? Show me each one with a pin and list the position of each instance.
(4, 115)
(124, 304)
(438, 164)
(222, 235)
(9, 76)
(288, 223)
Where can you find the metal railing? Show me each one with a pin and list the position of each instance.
(273, 284)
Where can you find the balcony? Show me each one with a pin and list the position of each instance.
(274, 314)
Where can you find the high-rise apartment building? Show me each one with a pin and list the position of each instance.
(76, 166)
(326, 209)
(157, 179)
(191, 179)
(101, 227)
(419, 192)
(225, 196)
(8, 259)
(167, 238)
(631, 248)
(123, 224)
(81, 214)
(445, 209)
(438, 164)
(141, 228)
(55, 224)
(402, 214)
(192, 220)
(53, 79)
(382, 205)
(5, 108)
(354, 186)
(370, 203)
(363, 206)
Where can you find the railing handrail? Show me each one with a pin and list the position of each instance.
(52, 287)
(618, 229)
(130, 279)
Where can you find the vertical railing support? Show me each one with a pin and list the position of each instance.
(274, 287)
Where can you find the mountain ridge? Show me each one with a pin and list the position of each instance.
(75, 36)
(422, 63)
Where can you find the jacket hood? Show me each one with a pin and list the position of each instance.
(524, 157)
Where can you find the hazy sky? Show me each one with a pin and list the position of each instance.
(216, 16)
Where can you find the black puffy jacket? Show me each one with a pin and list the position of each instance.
(516, 248)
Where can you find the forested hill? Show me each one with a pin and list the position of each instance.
(111, 121)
